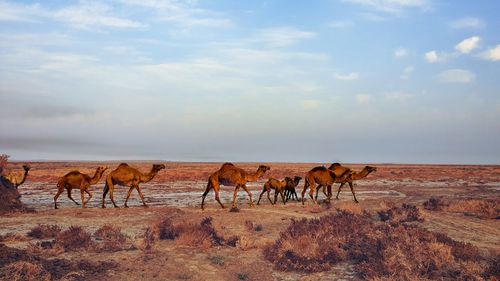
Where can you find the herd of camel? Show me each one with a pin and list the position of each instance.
(228, 175)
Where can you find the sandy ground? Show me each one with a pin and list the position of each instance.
(176, 192)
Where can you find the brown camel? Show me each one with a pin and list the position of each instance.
(323, 177)
(278, 186)
(230, 175)
(290, 188)
(125, 175)
(77, 180)
(12, 180)
(354, 176)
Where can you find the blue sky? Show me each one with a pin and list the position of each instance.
(368, 81)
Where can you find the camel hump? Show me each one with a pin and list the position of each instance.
(122, 165)
(320, 168)
(334, 165)
(227, 164)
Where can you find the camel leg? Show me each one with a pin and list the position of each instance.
(69, 195)
(90, 196)
(82, 194)
(275, 196)
(311, 193)
(296, 197)
(217, 197)
(352, 190)
(142, 196)
(111, 188)
(128, 196)
(260, 196)
(329, 195)
(59, 192)
(249, 195)
(282, 197)
(207, 190)
(303, 193)
(234, 196)
(338, 192)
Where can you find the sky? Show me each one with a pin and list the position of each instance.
(359, 81)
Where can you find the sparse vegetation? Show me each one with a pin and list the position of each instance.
(201, 235)
(217, 260)
(74, 238)
(481, 208)
(405, 213)
(111, 239)
(380, 251)
(242, 276)
(44, 231)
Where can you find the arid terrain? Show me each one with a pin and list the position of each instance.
(174, 197)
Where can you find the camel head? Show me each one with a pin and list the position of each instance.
(158, 167)
(371, 169)
(264, 168)
(26, 167)
(101, 169)
(296, 180)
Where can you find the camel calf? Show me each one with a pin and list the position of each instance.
(290, 188)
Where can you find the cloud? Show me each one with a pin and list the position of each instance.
(310, 104)
(400, 53)
(391, 6)
(397, 96)
(456, 76)
(347, 77)
(433, 57)
(467, 23)
(407, 72)
(467, 45)
(281, 36)
(19, 13)
(363, 98)
(492, 54)
(89, 15)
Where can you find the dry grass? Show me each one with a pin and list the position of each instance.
(74, 238)
(405, 213)
(380, 251)
(44, 231)
(24, 271)
(202, 235)
(481, 208)
(11, 237)
(111, 239)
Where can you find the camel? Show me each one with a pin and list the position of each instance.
(124, 175)
(290, 188)
(278, 186)
(323, 177)
(230, 175)
(77, 180)
(12, 180)
(354, 176)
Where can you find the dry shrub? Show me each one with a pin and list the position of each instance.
(249, 225)
(17, 264)
(44, 231)
(380, 251)
(13, 237)
(74, 238)
(24, 271)
(405, 213)
(481, 208)
(201, 235)
(111, 239)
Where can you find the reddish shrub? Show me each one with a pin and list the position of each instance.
(74, 238)
(22, 270)
(111, 239)
(481, 208)
(44, 231)
(435, 204)
(405, 213)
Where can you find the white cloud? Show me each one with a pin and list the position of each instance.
(397, 96)
(467, 23)
(467, 45)
(282, 36)
(456, 76)
(433, 57)
(19, 12)
(492, 54)
(347, 77)
(401, 52)
(310, 104)
(92, 14)
(391, 6)
(407, 72)
(363, 98)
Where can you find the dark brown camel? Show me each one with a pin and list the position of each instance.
(321, 176)
(77, 180)
(230, 175)
(125, 175)
(279, 188)
(290, 188)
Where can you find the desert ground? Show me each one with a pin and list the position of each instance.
(175, 195)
